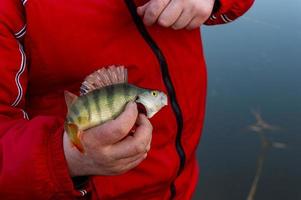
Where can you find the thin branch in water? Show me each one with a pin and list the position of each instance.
(261, 125)
(260, 161)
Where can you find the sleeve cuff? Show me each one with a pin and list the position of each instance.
(59, 170)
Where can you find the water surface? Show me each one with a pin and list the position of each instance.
(253, 63)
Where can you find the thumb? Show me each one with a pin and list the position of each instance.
(115, 130)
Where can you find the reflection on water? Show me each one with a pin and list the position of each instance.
(261, 127)
(247, 153)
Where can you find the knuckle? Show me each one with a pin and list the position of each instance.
(148, 148)
(140, 148)
(196, 7)
(206, 11)
(201, 10)
(151, 15)
(153, 10)
(163, 22)
(145, 156)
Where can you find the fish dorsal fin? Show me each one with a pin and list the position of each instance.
(70, 98)
(104, 77)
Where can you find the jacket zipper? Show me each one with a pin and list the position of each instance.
(168, 84)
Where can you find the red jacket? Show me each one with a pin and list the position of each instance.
(49, 46)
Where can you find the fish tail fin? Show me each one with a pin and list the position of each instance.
(74, 134)
(70, 98)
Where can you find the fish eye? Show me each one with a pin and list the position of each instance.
(154, 93)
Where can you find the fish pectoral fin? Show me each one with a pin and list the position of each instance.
(75, 136)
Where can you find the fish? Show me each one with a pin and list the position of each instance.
(103, 97)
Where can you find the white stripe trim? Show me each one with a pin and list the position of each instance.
(17, 77)
(25, 115)
(21, 35)
(212, 17)
(21, 32)
(83, 192)
(24, 2)
(225, 19)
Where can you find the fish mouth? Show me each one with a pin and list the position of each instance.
(164, 99)
(141, 108)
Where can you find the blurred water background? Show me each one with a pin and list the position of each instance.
(254, 68)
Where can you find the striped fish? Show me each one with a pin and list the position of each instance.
(101, 102)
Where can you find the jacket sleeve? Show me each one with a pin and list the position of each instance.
(226, 11)
(32, 162)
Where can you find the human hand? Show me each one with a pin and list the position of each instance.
(109, 150)
(177, 14)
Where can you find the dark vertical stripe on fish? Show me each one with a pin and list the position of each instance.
(96, 100)
(74, 110)
(126, 90)
(86, 105)
(110, 98)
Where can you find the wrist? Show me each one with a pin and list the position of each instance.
(73, 157)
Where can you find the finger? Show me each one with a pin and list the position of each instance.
(141, 9)
(153, 11)
(134, 164)
(183, 20)
(171, 13)
(117, 129)
(138, 143)
(124, 165)
(196, 22)
(126, 161)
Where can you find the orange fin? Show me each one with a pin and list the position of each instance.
(75, 136)
(70, 98)
(104, 77)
